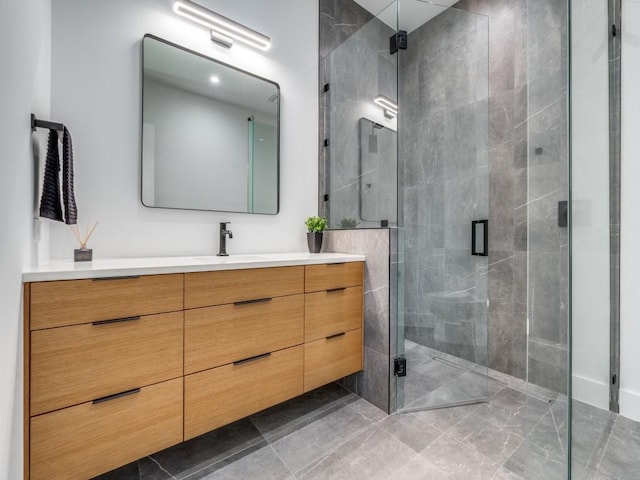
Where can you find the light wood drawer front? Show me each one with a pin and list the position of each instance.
(333, 275)
(329, 359)
(70, 302)
(216, 336)
(222, 395)
(330, 312)
(89, 439)
(71, 365)
(204, 289)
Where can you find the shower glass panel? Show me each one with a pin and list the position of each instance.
(378, 174)
(443, 205)
(360, 152)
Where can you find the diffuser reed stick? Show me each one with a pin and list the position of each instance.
(83, 238)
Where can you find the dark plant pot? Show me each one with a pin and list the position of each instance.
(314, 241)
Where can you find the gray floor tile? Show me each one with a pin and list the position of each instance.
(494, 442)
(319, 438)
(283, 419)
(621, 458)
(261, 464)
(459, 461)
(412, 429)
(445, 418)
(367, 410)
(418, 468)
(194, 455)
(373, 455)
(530, 465)
(143, 469)
(504, 474)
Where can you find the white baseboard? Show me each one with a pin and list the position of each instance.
(590, 391)
(630, 404)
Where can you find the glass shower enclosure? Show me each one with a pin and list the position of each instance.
(443, 200)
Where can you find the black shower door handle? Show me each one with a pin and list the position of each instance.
(480, 238)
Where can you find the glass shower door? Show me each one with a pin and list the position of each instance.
(443, 206)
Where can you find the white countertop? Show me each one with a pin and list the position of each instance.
(120, 267)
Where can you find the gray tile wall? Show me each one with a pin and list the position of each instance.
(444, 182)
(374, 382)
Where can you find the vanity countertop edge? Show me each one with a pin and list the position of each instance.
(122, 267)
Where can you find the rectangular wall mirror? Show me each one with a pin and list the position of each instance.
(210, 133)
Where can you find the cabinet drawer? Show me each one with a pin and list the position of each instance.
(219, 335)
(70, 302)
(222, 395)
(92, 438)
(333, 275)
(332, 311)
(329, 359)
(204, 289)
(71, 365)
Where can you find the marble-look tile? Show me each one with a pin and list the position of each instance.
(504, 474)
(458, 460)
(279, 421)
(620, 459)
(367, 410)
(418, 468)
(194, 455)
(494, 442)
(262, 463)
(414, 430)
(373, 455)
(548, 365)
(530, 465)
(315, 440)
(143, 469)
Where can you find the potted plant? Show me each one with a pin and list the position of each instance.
(315, 227)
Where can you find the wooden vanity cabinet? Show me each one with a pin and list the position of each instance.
(120, 368)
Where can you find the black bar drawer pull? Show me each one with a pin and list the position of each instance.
(336, 289)
(336, 335)
(126, 277)
(257, 300)
(480, 238)
(335, 263)
(116, 320)
(251, 359)
(117, 395)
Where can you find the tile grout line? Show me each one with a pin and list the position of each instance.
(161, 467)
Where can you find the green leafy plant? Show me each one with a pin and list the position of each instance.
(315, 224)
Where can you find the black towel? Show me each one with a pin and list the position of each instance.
(50, 200)
(70, 209)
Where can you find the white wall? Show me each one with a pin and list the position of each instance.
(630, 228)
(201, 149)
(96, 91)
(24, 88)
(590, 192)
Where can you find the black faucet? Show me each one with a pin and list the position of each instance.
(223, 239)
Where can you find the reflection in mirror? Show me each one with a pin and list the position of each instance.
(378, 173)
(209, 133)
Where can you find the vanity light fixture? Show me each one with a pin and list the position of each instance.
(223, 30)
(390, 107)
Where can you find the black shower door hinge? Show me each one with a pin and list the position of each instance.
(325, 89)
(614, 30)
(326, 142)
(398, 41)
(400, 367)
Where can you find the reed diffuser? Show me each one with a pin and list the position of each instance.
(83, 254)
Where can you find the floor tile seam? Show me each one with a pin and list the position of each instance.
(434, 391)
(227, 457)
(440, 433)
(161, 467)
(311, 417)
(373, 422)
(604, 449)
(557, 429)
(501, 462)
(597, 452)
(333, 450)
(492, 462)
(291, 474)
